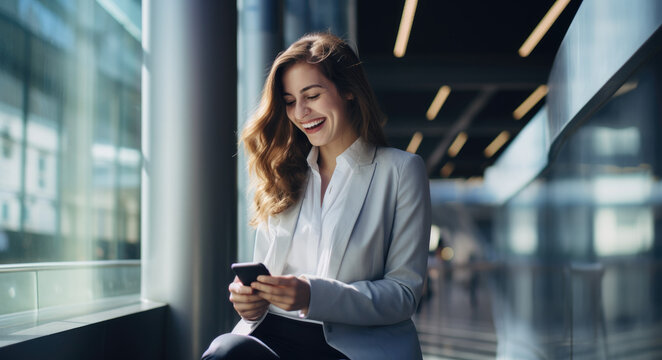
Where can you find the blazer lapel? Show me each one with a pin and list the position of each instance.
(358, 190)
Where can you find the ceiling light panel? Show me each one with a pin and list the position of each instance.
(496, 144)
(457, 144)
(543, 26)
(415, 142)
(531, 101)
(405, 28)
(438, 102)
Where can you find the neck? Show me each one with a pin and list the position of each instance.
(328, 153)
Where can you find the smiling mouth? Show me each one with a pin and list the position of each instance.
(313, 124)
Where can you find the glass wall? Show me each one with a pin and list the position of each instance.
(582, 243)
(70, 97)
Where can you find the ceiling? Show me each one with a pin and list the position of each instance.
(471, 46)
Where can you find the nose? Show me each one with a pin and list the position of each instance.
(301, 110)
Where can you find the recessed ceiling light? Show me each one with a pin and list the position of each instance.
(496, 144)
(543, 26)
(447, 169)
(438, 102)
(405, 28)
(530, 101)
(457, 144)
(415, 142)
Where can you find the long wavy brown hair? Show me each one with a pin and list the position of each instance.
(276, 149)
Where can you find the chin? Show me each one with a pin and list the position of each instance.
(316, 142)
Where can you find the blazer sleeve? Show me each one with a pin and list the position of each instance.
(395, 297)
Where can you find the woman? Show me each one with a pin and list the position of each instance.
(342, 220)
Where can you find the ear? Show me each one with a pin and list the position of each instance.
(349, 96)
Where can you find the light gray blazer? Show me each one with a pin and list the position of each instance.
(379, 258)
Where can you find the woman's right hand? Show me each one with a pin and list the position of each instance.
(246, 302)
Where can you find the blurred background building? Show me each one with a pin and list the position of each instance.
(124, 198)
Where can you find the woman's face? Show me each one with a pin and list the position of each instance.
(314, 105)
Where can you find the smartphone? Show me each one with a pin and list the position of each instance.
(248, 272)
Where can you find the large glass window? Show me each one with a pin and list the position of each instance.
(597, 267)
(70, 77)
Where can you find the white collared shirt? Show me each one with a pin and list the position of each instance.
(312, 242)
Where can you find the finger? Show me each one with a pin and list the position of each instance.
(278, 299)
(244, 307)
(239, 298)
(286, 297)
(262, 287)
(287, 280)
(273, 289)
(235, 281)
(286, 306)
(239, 288)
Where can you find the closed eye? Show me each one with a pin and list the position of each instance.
(311, 97)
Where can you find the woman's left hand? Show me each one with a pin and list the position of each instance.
(287, 292)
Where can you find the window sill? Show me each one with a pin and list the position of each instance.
(61, 328)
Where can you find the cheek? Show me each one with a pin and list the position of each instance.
(339, 107)
(288, 112)
(295, 124)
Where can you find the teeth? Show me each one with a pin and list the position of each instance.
(312, 124)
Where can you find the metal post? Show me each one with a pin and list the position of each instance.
(189, 169)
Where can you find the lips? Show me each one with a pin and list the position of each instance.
(313, 126)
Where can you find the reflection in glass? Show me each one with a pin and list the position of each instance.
(623, 231)
(523, 227)
(69, 130)
(590, 286)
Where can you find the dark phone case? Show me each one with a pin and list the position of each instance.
(248, 272)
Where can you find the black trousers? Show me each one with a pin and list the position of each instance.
(277, 337)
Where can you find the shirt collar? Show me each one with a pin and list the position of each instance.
(312, 158)
(354, 155)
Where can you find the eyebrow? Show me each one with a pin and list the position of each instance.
(306, 89)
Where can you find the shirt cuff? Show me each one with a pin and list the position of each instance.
(252, 322)
(301, 313)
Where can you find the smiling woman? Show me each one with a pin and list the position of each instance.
(277, 150)
(343, 221)
(318, 109)
(320, 112)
